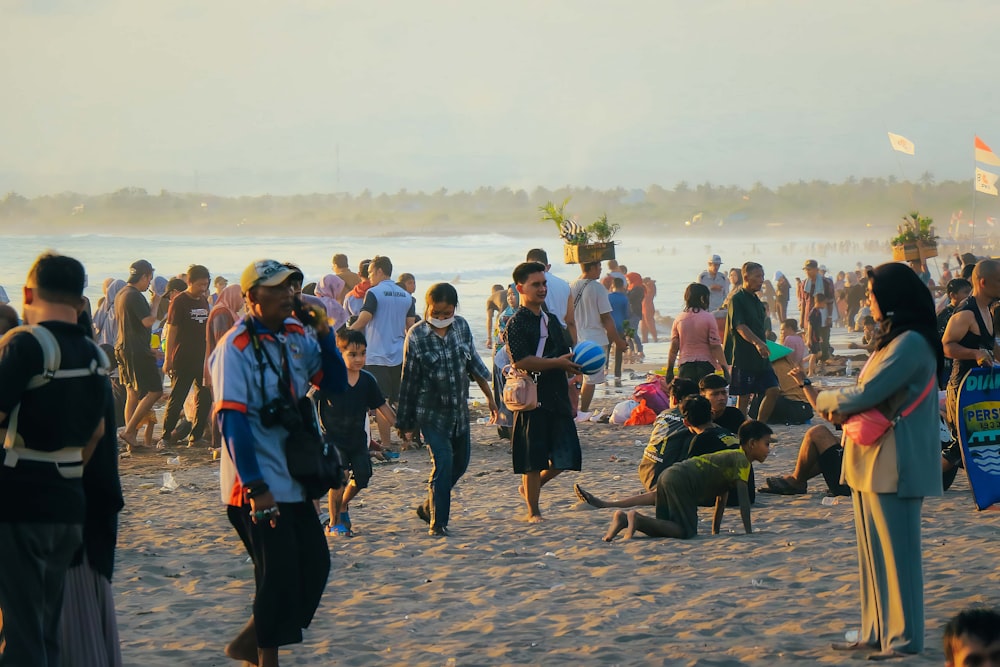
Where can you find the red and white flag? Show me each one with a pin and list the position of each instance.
(985, 155)
(901, 143)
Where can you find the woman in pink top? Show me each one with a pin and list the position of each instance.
(694, 337)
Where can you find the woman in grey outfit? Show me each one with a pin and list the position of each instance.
(890, 479)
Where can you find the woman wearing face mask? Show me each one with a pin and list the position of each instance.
(438, 359)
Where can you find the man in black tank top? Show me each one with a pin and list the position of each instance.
(969, 338)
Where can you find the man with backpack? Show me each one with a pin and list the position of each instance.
(53, 387)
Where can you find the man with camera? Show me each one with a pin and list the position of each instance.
(261, 369)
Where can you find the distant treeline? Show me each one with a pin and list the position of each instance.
(871, 204)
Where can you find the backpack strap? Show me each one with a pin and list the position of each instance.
(51, 360)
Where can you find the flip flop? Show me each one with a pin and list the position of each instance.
(345, 520)
(339, 530)
(584, 496)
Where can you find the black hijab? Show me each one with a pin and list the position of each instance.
(906, 305)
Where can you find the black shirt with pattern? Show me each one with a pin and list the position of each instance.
(523, 334)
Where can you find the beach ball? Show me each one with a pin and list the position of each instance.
(589, 356)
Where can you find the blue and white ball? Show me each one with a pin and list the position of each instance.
(589, 356)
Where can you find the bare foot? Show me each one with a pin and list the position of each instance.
(129, 439)
(535, 518)
(630, 529)
(243, 648)
(244, 645)
(618, 523)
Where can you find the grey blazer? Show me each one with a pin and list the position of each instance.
(893, 380)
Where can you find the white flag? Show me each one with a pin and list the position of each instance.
(901, 143)
(986, 182)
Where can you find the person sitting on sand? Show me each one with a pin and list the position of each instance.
(669, 434)
(698, 442)
(791, 339)
(682, 487)
(972, 639)
(821, 452)
(715, 388)
(869, 329)
(343, 417)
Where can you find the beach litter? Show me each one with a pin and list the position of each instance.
(169, 483)
(404, 469)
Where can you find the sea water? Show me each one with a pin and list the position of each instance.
(471, 262)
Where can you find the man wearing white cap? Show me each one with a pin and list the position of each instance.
(718, 286)
(814, 284)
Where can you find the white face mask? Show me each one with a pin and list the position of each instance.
(441, 324)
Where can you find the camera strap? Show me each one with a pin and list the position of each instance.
(285, 380)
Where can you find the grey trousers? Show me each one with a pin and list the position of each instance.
(33, 564)
(891, 567)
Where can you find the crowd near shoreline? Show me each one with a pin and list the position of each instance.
(383, 372)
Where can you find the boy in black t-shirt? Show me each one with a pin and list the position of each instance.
(343, 417)
(184, 361)
(544, 440)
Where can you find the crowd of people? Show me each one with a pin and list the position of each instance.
(261, 366)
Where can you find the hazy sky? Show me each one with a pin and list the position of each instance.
(246, 97)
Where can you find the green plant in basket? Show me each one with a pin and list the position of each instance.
(602, 230)
(915, 228)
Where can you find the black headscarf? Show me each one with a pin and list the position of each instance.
(906, 305)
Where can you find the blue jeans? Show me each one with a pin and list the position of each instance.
(450, 458)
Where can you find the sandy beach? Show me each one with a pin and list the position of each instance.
(501, 591)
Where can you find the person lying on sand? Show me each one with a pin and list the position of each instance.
(681, 487)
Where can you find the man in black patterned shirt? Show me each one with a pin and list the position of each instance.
(544, 441)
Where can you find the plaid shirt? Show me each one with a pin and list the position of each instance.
(436, 370)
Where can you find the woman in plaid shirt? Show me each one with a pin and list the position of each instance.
(439, 357)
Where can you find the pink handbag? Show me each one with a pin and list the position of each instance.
(867, 428)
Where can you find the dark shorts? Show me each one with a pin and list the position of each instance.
(388, 378)
(830, 464)
(695, 370)
(542, 440)
(356, 458)
(752, 382)
(138, 370)
(677, 498)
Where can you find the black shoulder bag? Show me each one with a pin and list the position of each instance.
(312, 462)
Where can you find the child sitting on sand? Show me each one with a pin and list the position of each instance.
(343, 417)
(681, 487)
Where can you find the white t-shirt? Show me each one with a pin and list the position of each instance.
(591, 299)
(558, 295)
(715, 298)
(389, 305)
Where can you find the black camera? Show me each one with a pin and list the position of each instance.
(303, 313)
(280, 413)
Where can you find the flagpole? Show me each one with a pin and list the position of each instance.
(972, 240)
